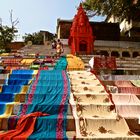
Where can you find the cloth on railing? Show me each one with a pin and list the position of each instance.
(136, 83)
(132, 90)
(61, 64)
(24, 127)
(123, 84)
(104, 62)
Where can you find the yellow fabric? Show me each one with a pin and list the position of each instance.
(0, 89)
(8, 111)
(27, 61)
(4, 54)
(24, 89)
(74, 63)
(35, 72)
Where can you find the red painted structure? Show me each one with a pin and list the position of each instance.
(81, 38)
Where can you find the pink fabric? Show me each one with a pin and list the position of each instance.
(59, 131)
(127, 105)
(30, 96)
(123, 84)
(132, 90)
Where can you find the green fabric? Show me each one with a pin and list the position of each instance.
(35, 67)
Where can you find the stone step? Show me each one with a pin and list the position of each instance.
(71, 134)
(16, 107)
(70, 123)
(132, 122)
(91, 98)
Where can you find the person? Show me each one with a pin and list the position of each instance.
(59, 48)
(54, 44)
(37, 55)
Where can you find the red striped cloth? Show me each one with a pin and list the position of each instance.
(103, 62)
(12, 61)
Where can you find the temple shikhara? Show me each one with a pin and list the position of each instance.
(83, 84)
(81, 37)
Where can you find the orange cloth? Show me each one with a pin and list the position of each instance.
(24, 128)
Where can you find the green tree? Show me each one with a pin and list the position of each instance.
(36, 38)
(7, 33)
(122, 9)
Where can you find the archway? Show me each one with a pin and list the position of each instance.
(105, 53)
(125, 54)
(83, 46)
(115, 53)
(135, 54)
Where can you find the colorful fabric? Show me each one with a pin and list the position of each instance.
(12, 61)
(15, 84)
(12, 68)
(61, 64)
(104, 62)
(24, 127)
(27, 61)
(123, 84)
(127, 105)
(132, 90)
(119, 77)
(74, 63)
(49, 94)
(94, 112)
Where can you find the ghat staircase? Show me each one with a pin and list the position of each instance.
(91, 108)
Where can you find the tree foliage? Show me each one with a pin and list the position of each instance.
(122, 9)
(7, 33)
(36, 38)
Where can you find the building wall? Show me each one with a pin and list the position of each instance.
(101, 30)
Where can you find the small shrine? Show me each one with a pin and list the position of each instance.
(81, 39)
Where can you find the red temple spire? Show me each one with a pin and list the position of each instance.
(81, 38)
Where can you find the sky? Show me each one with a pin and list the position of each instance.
(36, 15)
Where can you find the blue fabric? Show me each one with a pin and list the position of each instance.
(20, 76)
(30, 72)
(61, 64)
(8, 97)
(13, 85)
(2, 108)
(11, 89)
(17, 82)
(47, 98)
